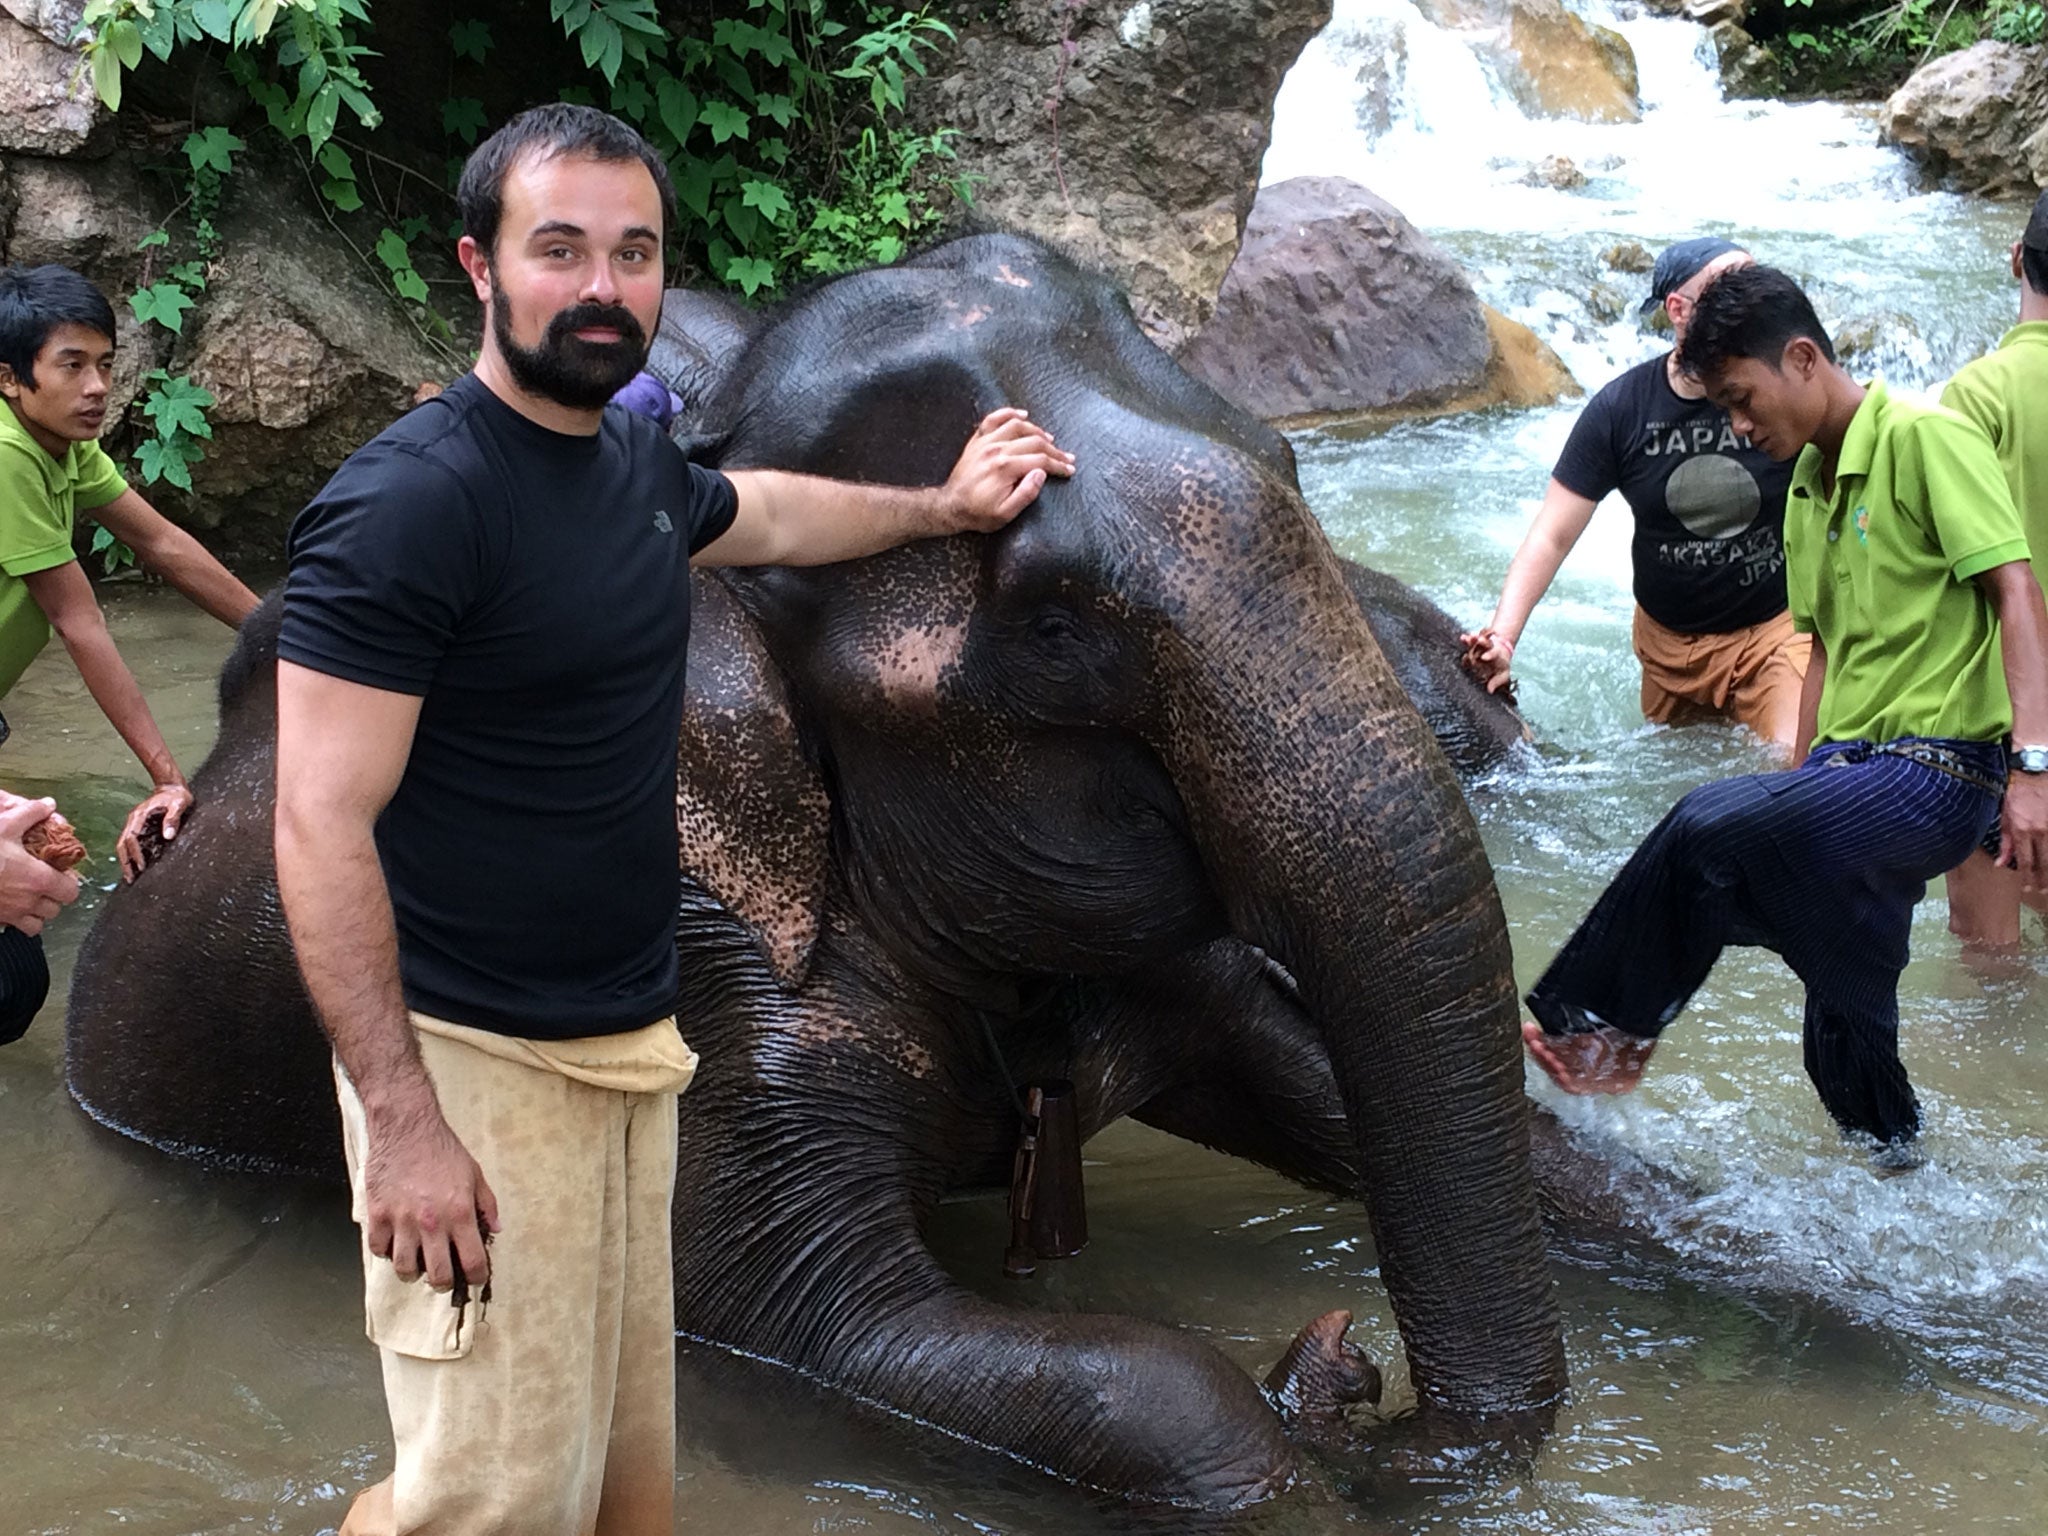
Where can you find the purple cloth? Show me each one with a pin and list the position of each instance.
(651, 398)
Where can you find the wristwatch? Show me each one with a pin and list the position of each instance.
(2028, 759)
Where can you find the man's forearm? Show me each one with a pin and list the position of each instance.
(809, 520)
(339, 911)
(184, 562)
(119, 696)
(1809, 700)
(2023, 645)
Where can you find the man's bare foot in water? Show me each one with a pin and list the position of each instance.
(1600, 1061)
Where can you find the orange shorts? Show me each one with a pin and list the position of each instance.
(1751, 676)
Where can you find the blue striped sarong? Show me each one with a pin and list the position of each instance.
(1823, 864)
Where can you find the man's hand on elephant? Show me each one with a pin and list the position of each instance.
(1598, 1061)
(1488, 653)
(173, 801)
(1001, 471)
(426, 1199)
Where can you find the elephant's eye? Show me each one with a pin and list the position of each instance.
(1055, 624)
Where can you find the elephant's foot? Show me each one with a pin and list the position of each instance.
(1321, 1375)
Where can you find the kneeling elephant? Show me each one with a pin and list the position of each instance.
(1126, 795)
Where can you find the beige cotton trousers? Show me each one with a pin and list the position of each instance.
(551, 1411)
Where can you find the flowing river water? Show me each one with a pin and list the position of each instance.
(1810, 1349)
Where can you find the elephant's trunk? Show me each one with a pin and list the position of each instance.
(1336, 834)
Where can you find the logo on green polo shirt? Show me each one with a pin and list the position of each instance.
(1863, 525)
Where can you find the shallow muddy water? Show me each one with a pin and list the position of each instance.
(1811, 1349)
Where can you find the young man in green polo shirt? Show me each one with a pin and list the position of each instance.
(2006, 395)
(1906, 562)
(56, 366)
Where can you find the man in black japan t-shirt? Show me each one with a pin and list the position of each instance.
(1708, 554)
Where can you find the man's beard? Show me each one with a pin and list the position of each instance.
(566, 369)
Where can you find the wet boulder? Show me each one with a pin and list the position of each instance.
(47, 103)
(1129, 135)
(1749, 70)
(1555, 63)
(306, 356)
(1977, 119)
(1337, 307)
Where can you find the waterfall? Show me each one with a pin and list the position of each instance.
(1420, 114)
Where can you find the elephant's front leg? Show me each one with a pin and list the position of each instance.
(805, 1168)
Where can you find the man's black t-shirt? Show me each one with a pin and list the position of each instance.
(534, 589)
(1709, 548)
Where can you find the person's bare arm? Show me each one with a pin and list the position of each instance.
(787, 519)
(1598, 1061)
(2023, 641)
(341, 751)
(1809, 701)
(64, 593)
(164, 549)
(1559, 524)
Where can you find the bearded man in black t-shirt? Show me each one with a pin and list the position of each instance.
(480, 685)
(1711, 629)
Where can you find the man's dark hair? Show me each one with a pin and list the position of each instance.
(1749, 312)
(541, 133)
(34, 301)
(2034, 265)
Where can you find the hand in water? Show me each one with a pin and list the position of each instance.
(1601, 1061)
(1487, 655)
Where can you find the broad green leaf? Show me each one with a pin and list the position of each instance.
(320, 114)
(692, 179)
(192, 274)
(212, 149)
(471, 39)
(893, 208)
(183, 410)
(751, 273)
(165, 303)
(740, 219)
(154, 237)
(464, 117)
(781, 108)
(884, 249)
(725, 121)
(342, 194)
(775, 49)
(410, 285)
(125, 38)
(392, 250)
(769, 198)
(678, 107)
(411, 229)
(335, 162)
(635, 17)
(106, 77)
(631, 98)
(216, 18)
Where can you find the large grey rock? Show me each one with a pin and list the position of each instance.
(47, 104)
(306, 355)
(1978, 118)
(85, 214)
(1338, 306)
(1130, 134)
(55, 19)
(1749, 71)
(307, 358)
(1555, 63)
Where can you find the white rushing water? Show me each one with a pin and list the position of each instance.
(1913, 283)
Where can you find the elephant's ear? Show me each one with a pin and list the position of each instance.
(752, 816)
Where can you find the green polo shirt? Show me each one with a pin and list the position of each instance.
(2006, 395)
(1881, 572)
(40, 498)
